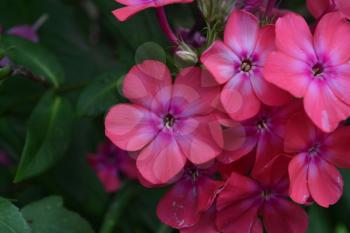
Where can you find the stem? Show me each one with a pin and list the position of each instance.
(164, 24)
(119, 203)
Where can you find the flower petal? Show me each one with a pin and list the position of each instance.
(126, 12)
(149, 84)
(336, 147)
(131, 127)
(265, 43)
(293, 37)
(238, 142)
(239, 99)
(344, 7)
(331, 38)
(328, 111)
(241, 32)
(206, 224)
(318, 8)
(268, 93)
(300, 133)
(281, 215)
(298, 175)
(287, 73)
(201, 145)
(161, 160)
(340, 83)
(194, 93)
(325, 182)
(219, 59)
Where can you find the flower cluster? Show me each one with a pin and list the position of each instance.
(252, 134)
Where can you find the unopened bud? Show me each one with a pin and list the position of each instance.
(185, 56)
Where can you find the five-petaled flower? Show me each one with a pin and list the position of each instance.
(315, 68)
(167, 123)
(238, 61)
(313, 173)
(246, 202)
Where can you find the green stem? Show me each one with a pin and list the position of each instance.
(120, 202)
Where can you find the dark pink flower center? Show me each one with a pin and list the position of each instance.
(262, 124)
(246, 65)
(266, 194)
(317, 70)
(314, 149)
(169, 121)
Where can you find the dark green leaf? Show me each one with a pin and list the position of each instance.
(34, 58)
(11, 220)
(48, 136)
(99, 96)
(319, 220)
(49, 216)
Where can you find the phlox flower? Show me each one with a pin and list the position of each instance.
(166, 123)
(313, 173)
(320, 7)
(109, 163)
(134, 6)
(314, 67)
(264, 133)
(189, 199)
(237, 62)
(247, 203)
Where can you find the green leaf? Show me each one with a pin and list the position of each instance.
(48, 136)
(319, 221)
(49, 216)
(11, 220)
(35, 58)
(99, 96)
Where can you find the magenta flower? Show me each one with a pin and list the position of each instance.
(134, 6)
(238, 61)
(109, 163)
(315, 68)
(313, 173)
(265, 133)
(192, 196)
(247, 202)
(166, 123)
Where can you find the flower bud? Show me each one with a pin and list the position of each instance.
(185, 56)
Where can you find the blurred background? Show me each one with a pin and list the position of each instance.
(85, 52)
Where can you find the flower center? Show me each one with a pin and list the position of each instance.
(262, 124)
(169, 121)
(317, 70)
(266, 194)
(246, 65)
(314, 149)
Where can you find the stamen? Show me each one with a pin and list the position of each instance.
(317, 70)
(246, 65)
(169, 121)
